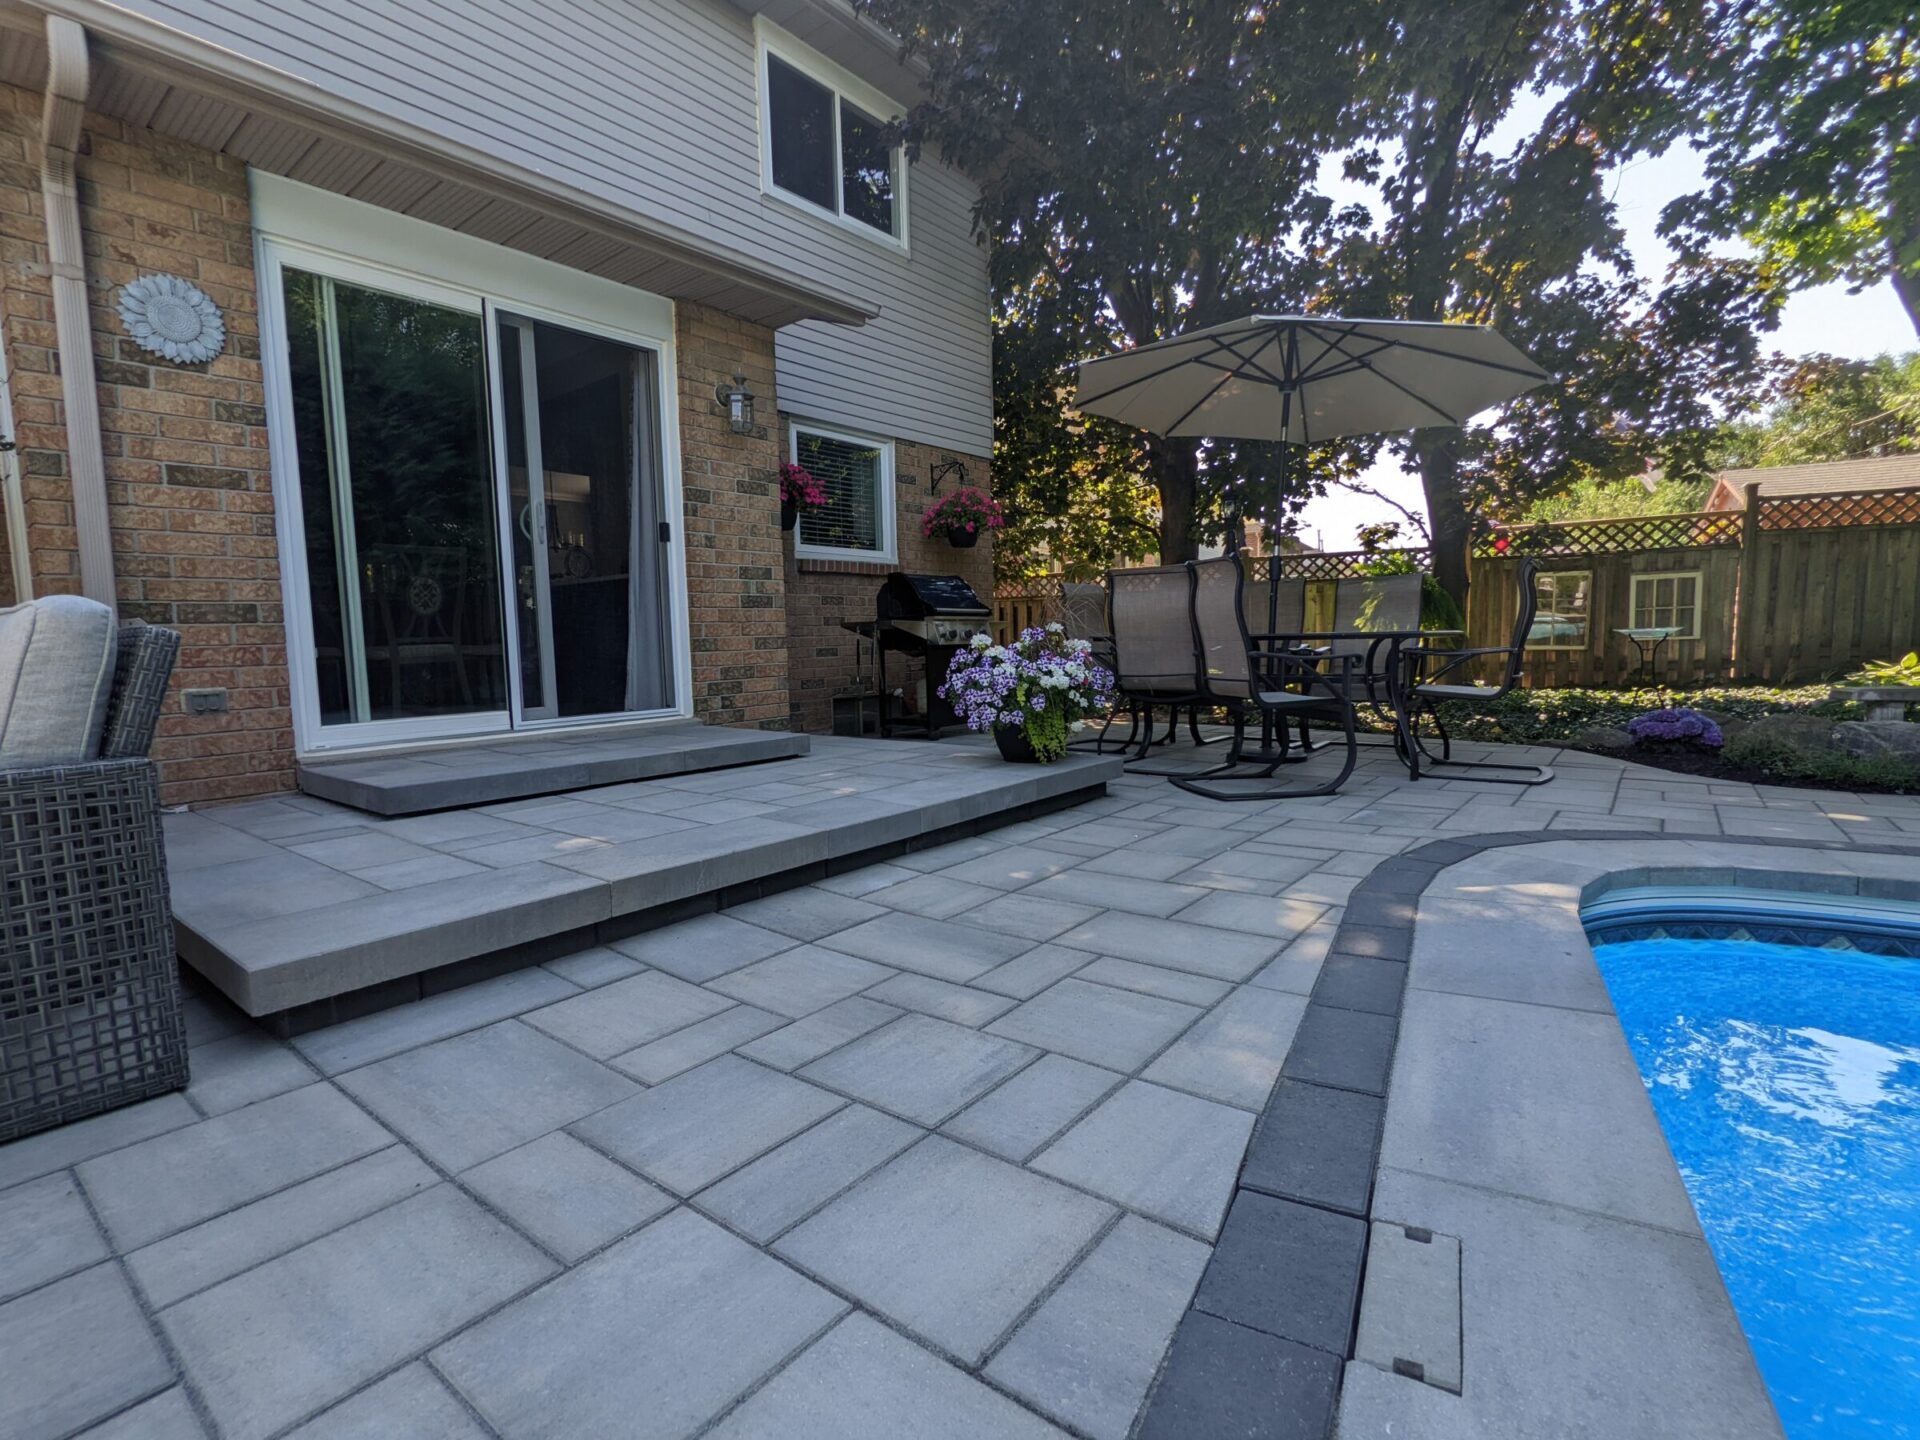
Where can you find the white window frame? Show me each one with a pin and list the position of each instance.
(770, 39)
(1584, 643)
(1699, 590)
(889, 553)
(361, 244)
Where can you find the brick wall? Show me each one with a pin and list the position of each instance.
(737, 589)
(823, 593)
(188, 489)
(190, 497)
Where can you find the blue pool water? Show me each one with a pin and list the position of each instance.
(1788, 1082)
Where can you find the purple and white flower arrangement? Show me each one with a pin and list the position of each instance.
(1677, 727)
(1043, 684)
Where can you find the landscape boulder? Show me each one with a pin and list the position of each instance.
(1870, 739)
(1803, 732)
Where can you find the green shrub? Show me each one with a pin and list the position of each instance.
(1550, 716)
(1778, 756)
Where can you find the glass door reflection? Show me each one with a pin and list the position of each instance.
(579, 457)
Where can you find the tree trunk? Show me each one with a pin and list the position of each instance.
(1903, 231)
(1446, 516)
(1176, 474)
(1907, 287)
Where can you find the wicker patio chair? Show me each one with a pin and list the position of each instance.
(1424, 688)
(90, 1009)
(1269, 674)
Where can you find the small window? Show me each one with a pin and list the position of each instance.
(1561, 621)
(1668, 602)
(828, 151)
(857, 474)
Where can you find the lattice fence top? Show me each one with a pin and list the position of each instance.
(1831, 512)
(1614, 537)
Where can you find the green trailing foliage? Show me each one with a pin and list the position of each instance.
(1904, 671)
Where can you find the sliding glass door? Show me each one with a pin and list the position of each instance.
(585, 528)
(484, 538)
(397, 504)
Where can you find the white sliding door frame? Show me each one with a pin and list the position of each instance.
(303, 228)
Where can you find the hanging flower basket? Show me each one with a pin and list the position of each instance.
(798, 491)
(1029, 694)
(963, 517)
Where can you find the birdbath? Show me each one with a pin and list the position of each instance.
(1648, 639)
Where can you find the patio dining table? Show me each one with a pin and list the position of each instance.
(1395, 640)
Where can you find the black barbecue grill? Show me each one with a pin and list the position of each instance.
(928, 617)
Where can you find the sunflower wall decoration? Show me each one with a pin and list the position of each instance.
(173, 318)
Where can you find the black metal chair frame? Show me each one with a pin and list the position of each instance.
(1419, 696)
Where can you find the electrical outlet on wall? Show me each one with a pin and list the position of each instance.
(205, 702)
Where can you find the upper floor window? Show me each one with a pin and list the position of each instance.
(827, 149)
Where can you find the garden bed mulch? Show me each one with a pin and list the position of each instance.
(1711, 767)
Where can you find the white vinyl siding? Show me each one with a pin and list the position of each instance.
(856, 471)
(653, 105)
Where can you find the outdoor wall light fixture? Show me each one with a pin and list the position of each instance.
(737, 401)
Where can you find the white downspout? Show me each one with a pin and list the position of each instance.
(66, 105)
(13, 499)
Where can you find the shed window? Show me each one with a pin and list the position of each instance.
(1668, 602)
(857, 474)
(824, 149)
(1561, 621)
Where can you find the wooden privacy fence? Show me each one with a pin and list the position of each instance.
(1790, 591)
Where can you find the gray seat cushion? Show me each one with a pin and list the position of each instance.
(56, 676)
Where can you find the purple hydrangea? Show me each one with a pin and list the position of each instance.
(1676, 726)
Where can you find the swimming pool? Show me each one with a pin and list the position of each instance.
(1787, 1078)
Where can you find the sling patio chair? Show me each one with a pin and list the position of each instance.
(1369, 611)
(1083, 613)
(1422, 690)
(1153, 650)
(1274, 676)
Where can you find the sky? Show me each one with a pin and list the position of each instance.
(1826, 319)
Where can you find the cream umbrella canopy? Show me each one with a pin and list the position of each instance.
(1306, 378)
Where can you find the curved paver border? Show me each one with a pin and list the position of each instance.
(1312, 1164)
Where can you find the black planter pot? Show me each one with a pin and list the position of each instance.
(963, 539)
(1014, 744)
(789, 514)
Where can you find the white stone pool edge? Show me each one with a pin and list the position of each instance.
(1517, 1123)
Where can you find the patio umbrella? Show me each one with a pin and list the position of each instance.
(1305, 378)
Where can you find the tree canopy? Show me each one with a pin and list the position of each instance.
(1810, 119)
(1828, 408)
(1145, 169)
(1151, 167)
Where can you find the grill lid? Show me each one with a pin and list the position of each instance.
(920, 597)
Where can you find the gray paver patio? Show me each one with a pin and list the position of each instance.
(626, 1192)
(951, 1243)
